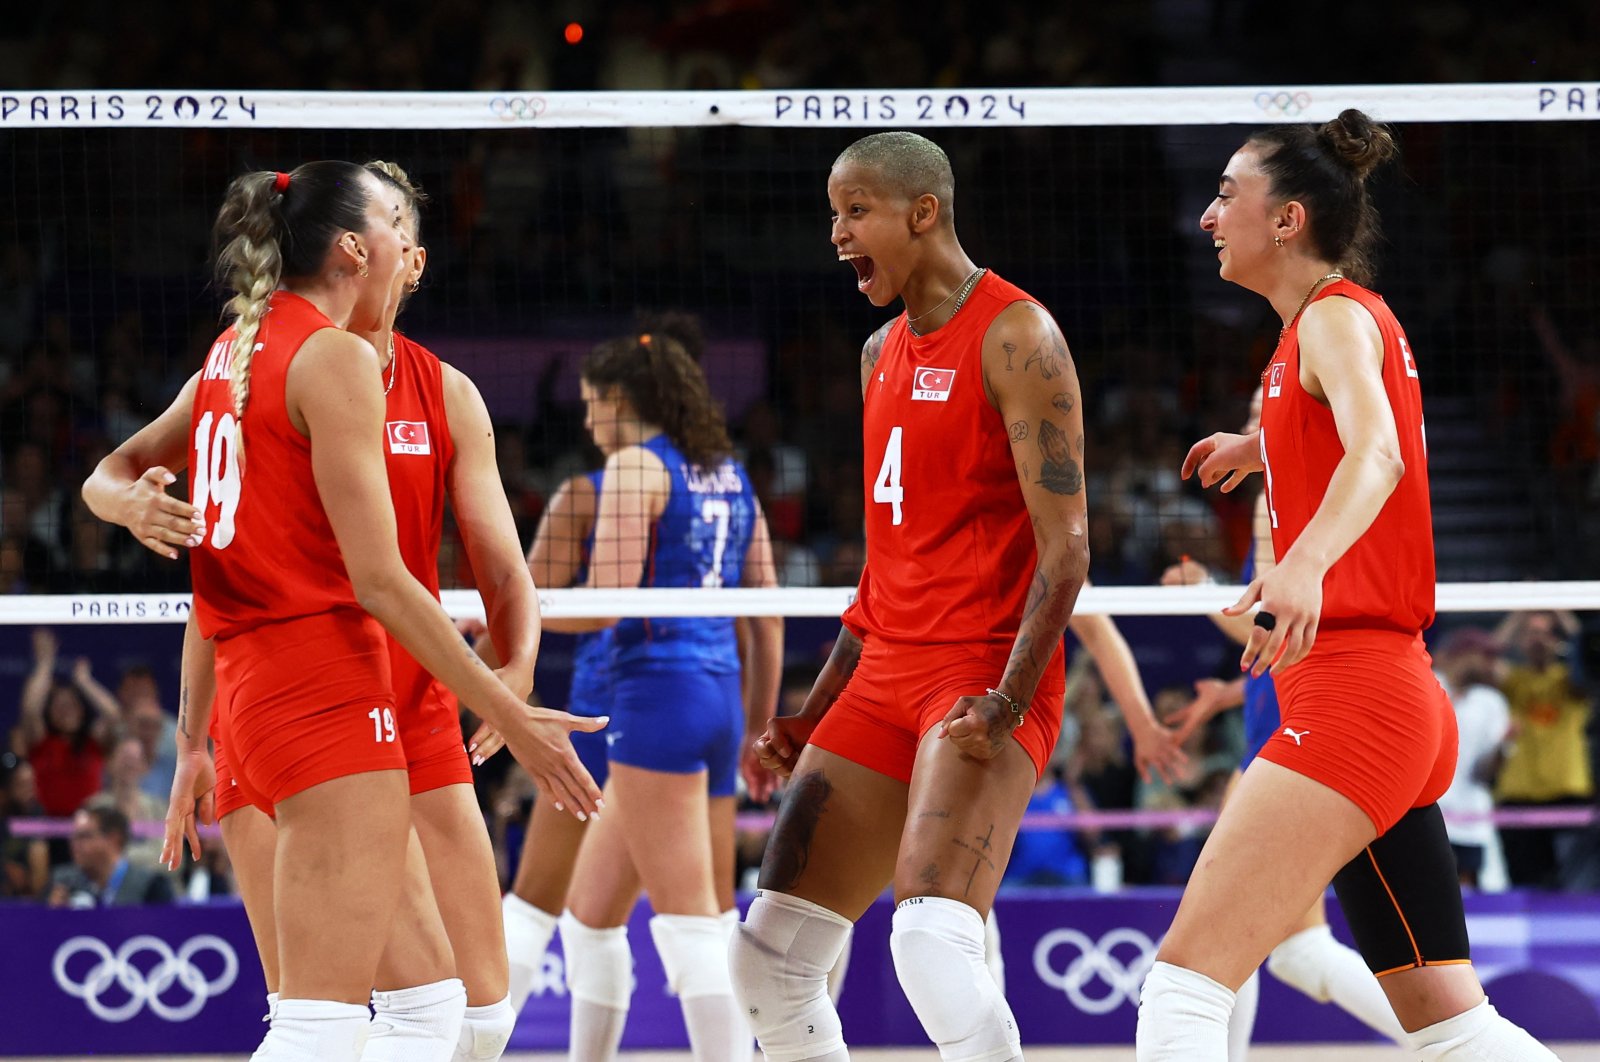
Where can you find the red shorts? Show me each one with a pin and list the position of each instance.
(228, 796)
(306, 701)
(430, 726)
(1365, 716)
(900, 691)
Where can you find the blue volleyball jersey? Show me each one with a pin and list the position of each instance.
(700, 539)
(591, 654)
(1260, 695)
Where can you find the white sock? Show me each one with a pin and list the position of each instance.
(1242, 1022)
(937, 945)
(741, 1043)
(485, 1032)
(992, 958)
(600, 981)
(1477, 1035)
(419, 1024)
(528, 933)
(1183, 1017)
(314, 1030)
(1329, 972)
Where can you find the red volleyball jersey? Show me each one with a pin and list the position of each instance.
(269, 553)
(1385, 580)
(950, 549)
(418, 451)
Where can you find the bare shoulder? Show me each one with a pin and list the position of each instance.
(1023, 337)
(1335, 323)
(334, 351)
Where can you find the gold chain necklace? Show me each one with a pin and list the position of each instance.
(962, 291)
(390, 385)
(1335, 275)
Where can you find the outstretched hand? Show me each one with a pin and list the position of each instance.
(1160, 750)
(1292, 595)
(157, 520)
(1224, 456)
(193, 798)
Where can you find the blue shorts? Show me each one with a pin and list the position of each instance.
(591, 695)
(1260, 715)
(679, 721)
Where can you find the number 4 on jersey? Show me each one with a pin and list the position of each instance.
(887, 489)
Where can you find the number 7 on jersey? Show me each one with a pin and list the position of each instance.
(886, 490)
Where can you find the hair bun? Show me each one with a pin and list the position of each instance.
(1359, 142)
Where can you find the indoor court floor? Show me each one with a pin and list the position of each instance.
(1264, 1053)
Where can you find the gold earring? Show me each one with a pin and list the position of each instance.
(362, 270)
(1276, 239)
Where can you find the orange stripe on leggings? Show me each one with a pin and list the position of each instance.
(1409, 935)
(1418, 966)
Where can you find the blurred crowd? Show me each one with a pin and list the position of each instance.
(101, 758)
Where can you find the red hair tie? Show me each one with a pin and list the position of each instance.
(280, 182)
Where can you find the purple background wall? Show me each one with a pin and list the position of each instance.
(1073, 965)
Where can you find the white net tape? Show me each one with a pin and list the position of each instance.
(795, 108)
(793, 601)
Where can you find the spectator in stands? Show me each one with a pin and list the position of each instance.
(1468, 660)
(24, 861)
(1547, 763)
(126, 774)
(100, 874)
(60, 735)
(154, 726)
(1048, 856)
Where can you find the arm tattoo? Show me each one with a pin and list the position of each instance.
(1045, 356)
(1058, 471)
(1019, 431)
(789, 848)
(1063, 401)
(183, 711)
(1010, 349)
(1036, 595)
(870, 353)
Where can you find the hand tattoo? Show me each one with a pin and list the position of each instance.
(1058, 472)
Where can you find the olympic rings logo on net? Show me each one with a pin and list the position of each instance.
(517, 108)
(1288, 104)
(1096, 961)
(146, 987)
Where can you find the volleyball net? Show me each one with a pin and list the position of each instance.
(559, 220)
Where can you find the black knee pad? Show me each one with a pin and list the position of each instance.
(1402, 897)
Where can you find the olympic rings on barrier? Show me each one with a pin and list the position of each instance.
(1096, 960)
(145, 988)
(1287, 104)
(513, 108)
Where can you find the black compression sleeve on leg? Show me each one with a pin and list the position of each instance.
(1402, 897)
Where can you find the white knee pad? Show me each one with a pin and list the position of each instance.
(694, 953)
(599, 963)
(780, 960)
(485, 1032)
(991, 951)
(938, 955)
(1183, 1015)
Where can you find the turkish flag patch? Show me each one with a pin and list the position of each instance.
(932, 385)
(408, 437)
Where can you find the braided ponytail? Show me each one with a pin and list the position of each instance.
(274, 226)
